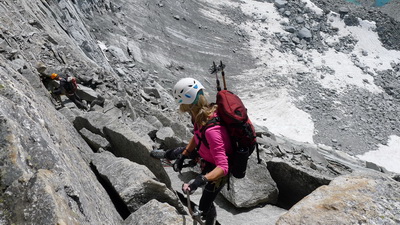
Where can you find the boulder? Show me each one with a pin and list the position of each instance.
(166, 122)
(94, 122)
(226, 212)
(118, 54)
(112, 111)
(167, 138)
(135, 51)
(155, 212)
(181, 131)
(294, 181)
(142, 127)
(152, 92)
(290, 29)
(299, 168)
(280, 3)
(126, 143)
(257, 187)
(95, 141)
(305, 34)
(165, 132)
(343, 11)
(134, 183)
(299, 20)
(357, 198)
(154, 121)
(130, 111)
(86, 93)
(70, 113)
(351, 20)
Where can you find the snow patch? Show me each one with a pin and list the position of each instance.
(264, 14)
(346, 73)
(387, 156)
(368, 40)
(274, 109)
(313, 7)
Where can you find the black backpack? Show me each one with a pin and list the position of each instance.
(70, 86)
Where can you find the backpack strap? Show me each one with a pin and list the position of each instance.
(211, 123)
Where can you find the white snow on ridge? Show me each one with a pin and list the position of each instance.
(346, 73)
(263, 11)
(368, 40)
(387, 156)
(272, 108)
(275, 109)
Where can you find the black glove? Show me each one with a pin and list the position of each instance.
(173, 154)
(199, 181)
(178, 164)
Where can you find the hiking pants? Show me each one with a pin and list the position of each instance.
(73, 97)
(78, 102)
(210, 192)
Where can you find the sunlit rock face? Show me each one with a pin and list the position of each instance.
(318, 91)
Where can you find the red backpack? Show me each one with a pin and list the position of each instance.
(232, 114)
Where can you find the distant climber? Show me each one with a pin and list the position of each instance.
(68, 87)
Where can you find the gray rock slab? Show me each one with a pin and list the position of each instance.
(304, 33)
(152, 92)
(118, 54)
(86, 93)
(45, 172)
(257, 187)
(368, 198)
(142, 127)
(295, 181)
(164, 133)
(280, 3)
(135, 184)
(154, 121)
(94, 121)
(155, 212)
(95, 141)
(126, 143)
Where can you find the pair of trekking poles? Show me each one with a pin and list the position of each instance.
(215, 69)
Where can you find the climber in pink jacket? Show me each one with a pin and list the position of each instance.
(219, 145)
(213, 145)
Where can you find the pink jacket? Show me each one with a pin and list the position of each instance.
(219, 143)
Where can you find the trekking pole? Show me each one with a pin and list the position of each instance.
(223, 74)
(216, 76)
(195, 215)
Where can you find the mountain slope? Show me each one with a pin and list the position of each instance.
(314, 82)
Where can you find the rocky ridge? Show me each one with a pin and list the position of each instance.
(68, 166)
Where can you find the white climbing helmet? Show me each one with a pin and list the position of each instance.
(186, 89)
